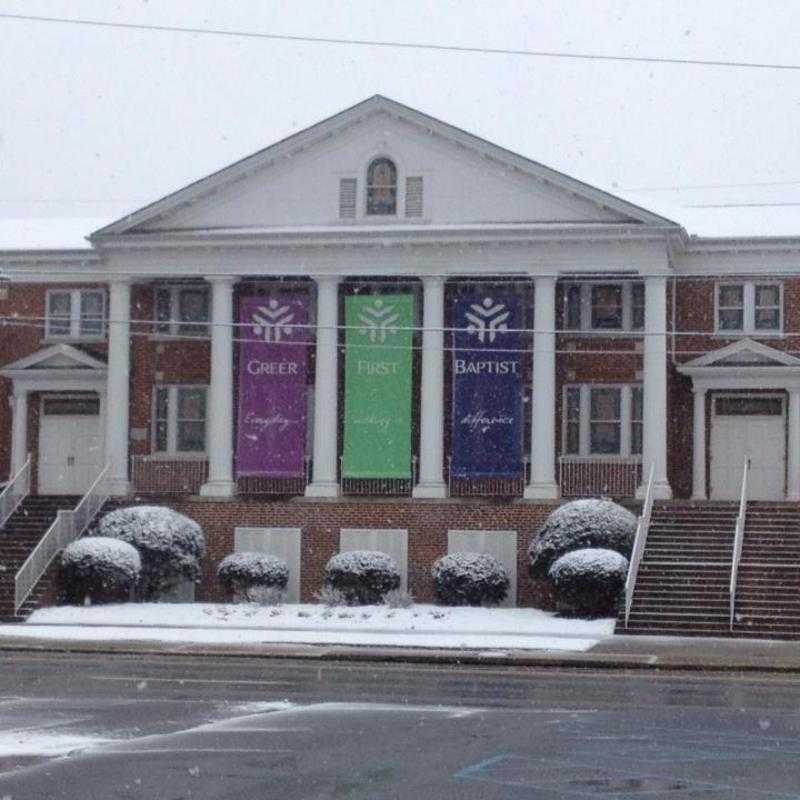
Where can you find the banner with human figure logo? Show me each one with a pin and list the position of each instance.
(377, 400)
(487, 386)
(273, 367)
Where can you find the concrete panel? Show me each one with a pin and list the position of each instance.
(500, 544)
(279, 542)
(392, 541)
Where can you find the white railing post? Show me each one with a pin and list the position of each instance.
(639, 542)
(15, 491)
(738, 540)
(68, 526)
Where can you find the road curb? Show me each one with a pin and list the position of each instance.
(419, 656)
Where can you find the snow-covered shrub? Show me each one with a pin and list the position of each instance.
(170, 544)
(580, 524)
(363, 576)
(253, 577)
(589, 582)
(470, 579)
(331, 598)
(99, 569)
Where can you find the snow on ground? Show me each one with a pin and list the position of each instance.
(418, 626)
(43, 743)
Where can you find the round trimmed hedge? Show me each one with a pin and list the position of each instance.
(581, 524)
(589, 582)
(470, 579)
(247, 575)
(170, 544)
(102, 569)
(362, 576)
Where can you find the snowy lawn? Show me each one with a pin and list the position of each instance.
(418, 626)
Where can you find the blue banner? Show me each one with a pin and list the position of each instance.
(487, 386)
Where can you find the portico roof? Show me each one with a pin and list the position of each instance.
(746, 363)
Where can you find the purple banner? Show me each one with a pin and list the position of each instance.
(273, 365)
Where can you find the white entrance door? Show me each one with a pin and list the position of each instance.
(70, 445)
(748, 427)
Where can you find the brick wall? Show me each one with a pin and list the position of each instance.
(427, 523)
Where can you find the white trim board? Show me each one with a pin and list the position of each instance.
(500, 544)
(279, 542)
(392, 541)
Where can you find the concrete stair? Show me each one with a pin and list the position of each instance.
(768, 590)
(18, 537)
(682, 586)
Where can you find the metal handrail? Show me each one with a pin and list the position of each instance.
(642, 528)
(67, 527)
(738, 539)
(15, 491)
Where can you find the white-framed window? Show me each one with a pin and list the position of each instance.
(754, 307)
(179, 420)
(182, 310)
(604, 306)
(382, 190)
(76, 314)
(602, 420)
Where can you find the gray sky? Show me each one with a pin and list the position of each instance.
(92, 116)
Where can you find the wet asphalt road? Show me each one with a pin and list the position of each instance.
(246, 728)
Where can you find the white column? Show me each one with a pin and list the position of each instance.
(655, 388)
(793, 454)
(19, 432)
(431, 483)
(699, 445)
(543, 484)
(326, 390)
(118, 394)
(219, 403)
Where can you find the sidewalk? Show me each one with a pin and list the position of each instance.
(615, 652)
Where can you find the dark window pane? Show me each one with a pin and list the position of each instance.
(637, 403)
(58, 313)
(605, 404)
(163, 310)
(749, 406)
(637, 306)
(768, 319)
(573, 404)
(636, 438)
(731, 319)
(191, 436)
(162, 403)
(91, 314)
(768, 295)
(731, 296)
(191, 404)
(382, 187)
(161, 436)
(607, 307)
(605, 438)
(193, 307)
(573, 321)
(573, 443)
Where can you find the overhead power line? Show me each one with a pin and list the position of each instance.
(680, 187)
(449, 48)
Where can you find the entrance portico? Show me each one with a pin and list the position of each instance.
(746, 405)
(72, 384)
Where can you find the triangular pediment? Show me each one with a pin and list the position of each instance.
(743, 354)
(296, 182)
(56, 357)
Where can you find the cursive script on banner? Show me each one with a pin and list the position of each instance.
(276, 420)
(376, 420)
(483, 420)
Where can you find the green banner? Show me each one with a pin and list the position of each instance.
(377, 404)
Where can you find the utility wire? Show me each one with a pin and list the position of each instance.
(697, 62)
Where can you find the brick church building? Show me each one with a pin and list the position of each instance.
(384, 332)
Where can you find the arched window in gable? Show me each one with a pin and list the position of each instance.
(381, 187)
